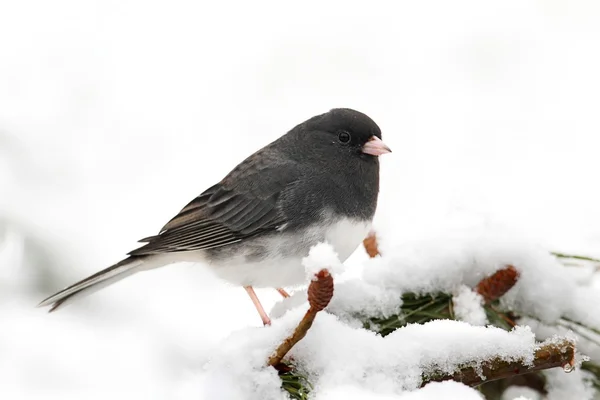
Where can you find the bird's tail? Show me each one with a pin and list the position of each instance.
(98, 281)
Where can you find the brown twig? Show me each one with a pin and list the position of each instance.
(320, 292)
(371, 245)
(548, 355)
(510, 321)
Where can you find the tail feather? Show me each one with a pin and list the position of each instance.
(94, 282)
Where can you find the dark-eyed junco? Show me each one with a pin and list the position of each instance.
(318, 182)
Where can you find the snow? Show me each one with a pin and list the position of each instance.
(545, 289)
(455, 261)
(453, 264)
(569, 386)
(114, 115)
(521, 393)
(445, 390)
(468, 306)
(321, 256)
(334, 355)
(524, 398)
(355, 297)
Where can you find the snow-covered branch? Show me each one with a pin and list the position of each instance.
(320, 292)
(552, 354)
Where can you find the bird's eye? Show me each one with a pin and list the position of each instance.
(344, 137)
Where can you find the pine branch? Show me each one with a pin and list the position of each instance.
(575, 257)
(320, 292)
(548, 355)
(423, 308)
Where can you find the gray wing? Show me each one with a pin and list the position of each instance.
(242, 205)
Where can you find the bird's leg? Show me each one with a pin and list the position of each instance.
(283, 293)
(261, 311)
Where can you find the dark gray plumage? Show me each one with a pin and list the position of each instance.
(271, 208)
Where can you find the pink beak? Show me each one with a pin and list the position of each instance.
(375, 147)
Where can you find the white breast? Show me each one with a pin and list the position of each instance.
(346, 235)
(283, 270)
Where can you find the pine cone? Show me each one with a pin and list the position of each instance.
(495, 286)
(320, 291)
(370, 244)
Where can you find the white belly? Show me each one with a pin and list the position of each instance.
(283, 270)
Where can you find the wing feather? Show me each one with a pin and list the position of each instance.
(235, 209)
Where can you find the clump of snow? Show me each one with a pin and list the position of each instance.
(452, 263)
(321, 256)
(468, 306)
(444, 390)
(297, 299)
(546, 289)
(358, 298)
(351, 300)
(456, 261)
(334, 354)
(521, 393)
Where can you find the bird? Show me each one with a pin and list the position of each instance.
(319, 182)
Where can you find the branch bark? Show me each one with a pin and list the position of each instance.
(548, 355)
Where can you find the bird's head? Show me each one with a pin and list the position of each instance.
(347, 130)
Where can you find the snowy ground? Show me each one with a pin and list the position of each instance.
(114, 114)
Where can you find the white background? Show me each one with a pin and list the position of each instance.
(114, 114)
